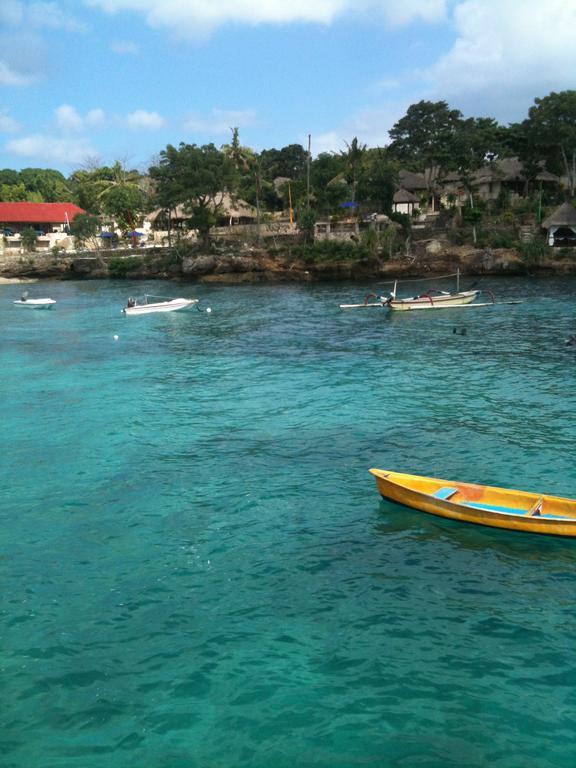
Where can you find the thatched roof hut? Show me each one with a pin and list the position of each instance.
(561, 226)
(231, 210)
(564, 216)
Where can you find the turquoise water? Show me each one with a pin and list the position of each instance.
(197, 570)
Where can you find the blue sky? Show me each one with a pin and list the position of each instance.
(95, 81)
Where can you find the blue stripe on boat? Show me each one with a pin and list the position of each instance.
(444, 493)
(512, 511)
(495, 508)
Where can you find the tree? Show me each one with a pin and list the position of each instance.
(241, 157)
(13, 193)
(97, 190)
(353, 158)
(476, 142)
(290, 162)
(45, 185)
(424, 137)
(329, 187)
(378, 180)
(9, 177)
(550, 131)
(28, 238)
(83, 227)
(124, 204)
(196, 177)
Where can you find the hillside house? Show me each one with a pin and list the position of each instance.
(405, 202)
(505, 176)
(50, 220)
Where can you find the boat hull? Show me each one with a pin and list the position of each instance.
(443, 301)
(162, 306)
(480, 504)
(36, 303)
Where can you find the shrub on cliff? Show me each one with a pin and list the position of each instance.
(532, 253)
(331, 250)
(28, 238)
(120, 267)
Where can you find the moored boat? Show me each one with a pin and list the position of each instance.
(480, 504)
(433, 299)
(145, 307)
(35, 303)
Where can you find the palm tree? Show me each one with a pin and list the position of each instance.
(242, 157)
(354, 157)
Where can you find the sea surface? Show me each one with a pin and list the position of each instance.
(196, 569)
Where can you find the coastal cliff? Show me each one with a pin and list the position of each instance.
(252, 265)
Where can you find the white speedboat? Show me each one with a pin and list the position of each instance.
(145, 307)
(35, 303)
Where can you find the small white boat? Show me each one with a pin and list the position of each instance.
(35, 303)
(145, 307)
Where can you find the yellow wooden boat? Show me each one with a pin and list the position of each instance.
(480, 504)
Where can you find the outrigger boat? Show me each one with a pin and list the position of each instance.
(431, 299)
(480, 504)
(145, 307)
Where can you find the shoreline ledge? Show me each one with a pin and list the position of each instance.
(227, 264)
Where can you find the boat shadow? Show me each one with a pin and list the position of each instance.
(396, 519)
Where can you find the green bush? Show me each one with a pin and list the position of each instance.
(331, 250)
(120, 267)
(28, 238)
(533, 253)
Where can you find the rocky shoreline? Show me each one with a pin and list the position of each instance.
(253, 265)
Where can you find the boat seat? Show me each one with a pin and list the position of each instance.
(536, 508)
(495, 508)
(445, 493)
(513, 511)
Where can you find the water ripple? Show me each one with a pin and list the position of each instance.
(196, 567)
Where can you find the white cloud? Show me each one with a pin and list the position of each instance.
(95, 118)
(332, 141)
(506, 53)
(141, 118)
(44, 15)
(50, 149)
(403, 13)
(51, 16)
(196, 17)
(7, 123)
(11, 12)
(220, 121)
(68, 119)
(9, 75)
(124, 47)
(370, 126)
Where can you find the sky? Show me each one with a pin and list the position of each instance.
(92, 82)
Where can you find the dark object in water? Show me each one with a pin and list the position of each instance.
(460, 331)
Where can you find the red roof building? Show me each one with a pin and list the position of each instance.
(38, 215)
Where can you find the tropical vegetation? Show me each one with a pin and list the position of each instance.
(431, 138)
